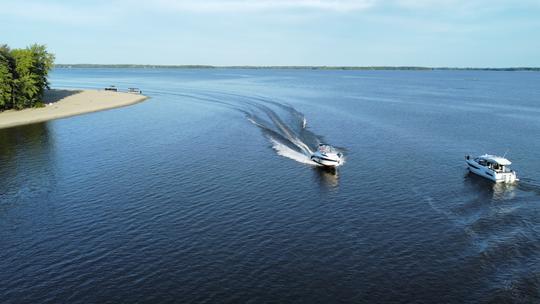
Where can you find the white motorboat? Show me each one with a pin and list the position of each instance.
(327, 155)
(492, 167)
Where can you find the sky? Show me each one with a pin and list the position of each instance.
(443, 33)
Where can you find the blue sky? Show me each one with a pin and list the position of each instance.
(458, 33)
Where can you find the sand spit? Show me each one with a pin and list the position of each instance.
(65, 103)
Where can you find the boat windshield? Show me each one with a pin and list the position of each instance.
(326, 148)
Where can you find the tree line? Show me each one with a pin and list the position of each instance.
(299, 67)
(23, 76)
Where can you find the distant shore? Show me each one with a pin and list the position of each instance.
(66, 103)
(361, 68)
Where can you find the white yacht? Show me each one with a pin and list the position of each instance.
(327, 155)
(492, 167)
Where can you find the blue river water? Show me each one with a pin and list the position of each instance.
(205, 193)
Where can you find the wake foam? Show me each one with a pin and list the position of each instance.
(286, 151)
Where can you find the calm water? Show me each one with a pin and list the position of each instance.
(204, 193)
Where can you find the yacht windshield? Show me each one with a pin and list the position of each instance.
(327, 149)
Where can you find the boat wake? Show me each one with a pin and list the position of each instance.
(286, 151)
(285, 128)
(529, 185)
(283, 125)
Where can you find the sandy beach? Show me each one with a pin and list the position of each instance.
(65, 103)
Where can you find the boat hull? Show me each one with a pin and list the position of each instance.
(498, 177)
(326, 161)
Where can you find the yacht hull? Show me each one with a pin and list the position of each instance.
(323, 161)
(498, 177)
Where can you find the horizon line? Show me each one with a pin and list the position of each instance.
(334, 67)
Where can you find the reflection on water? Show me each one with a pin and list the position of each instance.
(32, 137)
(25, 149)
(327, 177)
(496, 191)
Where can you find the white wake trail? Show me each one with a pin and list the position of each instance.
(286, 151)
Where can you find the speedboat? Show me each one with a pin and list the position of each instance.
(326, 155)
(492, 167)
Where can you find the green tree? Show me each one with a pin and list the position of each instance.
(43, 63)
(7, 66)
(26, 83)
(32, 66)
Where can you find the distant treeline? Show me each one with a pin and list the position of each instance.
(23, 76)
(401, 68)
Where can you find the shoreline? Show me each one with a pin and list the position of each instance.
(67, 103)
(298, 67)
